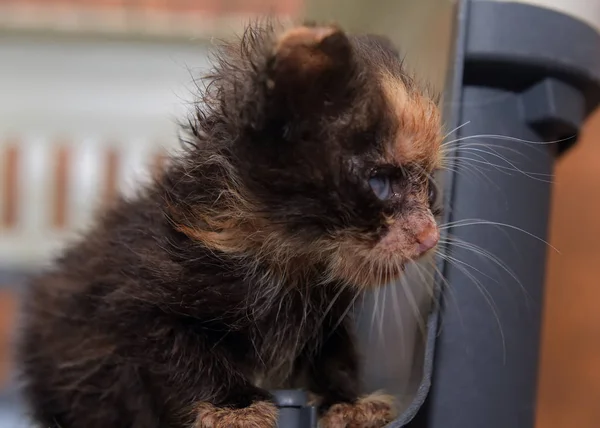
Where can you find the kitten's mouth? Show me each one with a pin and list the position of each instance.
(374, 264)
(413, 245)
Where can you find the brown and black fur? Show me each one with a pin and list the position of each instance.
(236, 270)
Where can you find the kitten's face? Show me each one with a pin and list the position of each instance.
(340, 162)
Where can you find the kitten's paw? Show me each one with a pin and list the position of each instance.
(261, 414)
(373, 411)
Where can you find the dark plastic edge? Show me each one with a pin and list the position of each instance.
(558, 58)
(513, 45)
(554, 109)
(451, 114)
(294, 410)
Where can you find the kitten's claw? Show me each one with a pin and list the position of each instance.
(373, 411)
(261, 414)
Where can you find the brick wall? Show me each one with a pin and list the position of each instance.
(207, 6)
(195, 18)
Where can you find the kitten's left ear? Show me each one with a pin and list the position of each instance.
(309, 62)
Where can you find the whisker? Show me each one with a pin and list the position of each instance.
(475, 249)
(530, 174)
(343, 316)
(448, 257)
(506, 170)
(459, 165)
(331, 304)
(503, 158)
(477, 171)
(483, 145)
(381, 311)
(413, 302)
(397, 312)
(473, 170)
(456, 129)
(476, 222)
(487, 297)
(452, 295)
(507, 138)
(482, 148)
(486, 148)
(375, 295)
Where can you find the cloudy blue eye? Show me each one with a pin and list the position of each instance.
(432, 195)
(380, 184)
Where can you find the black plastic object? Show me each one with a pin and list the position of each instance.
(533, 75)
(553, 109)
(294, 411)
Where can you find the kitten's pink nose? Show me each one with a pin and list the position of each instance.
(427, 239)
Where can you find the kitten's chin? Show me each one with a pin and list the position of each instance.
(365, 274)
(374, 282)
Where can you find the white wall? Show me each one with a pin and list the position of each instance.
(584, 10)
(115, 88)
(88, 95)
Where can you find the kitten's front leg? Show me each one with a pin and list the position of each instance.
(334, 375)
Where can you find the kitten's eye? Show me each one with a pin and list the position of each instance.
(380, 184)
(432, 195)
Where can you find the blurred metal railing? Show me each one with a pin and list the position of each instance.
(51, 189)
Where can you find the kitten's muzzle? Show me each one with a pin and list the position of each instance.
(427, 239)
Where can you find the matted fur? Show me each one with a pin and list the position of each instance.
(371, 411)
(236, 270)
(260, 414)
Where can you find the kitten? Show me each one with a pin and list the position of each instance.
(307, 180)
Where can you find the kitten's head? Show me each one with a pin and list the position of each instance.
(313, 149)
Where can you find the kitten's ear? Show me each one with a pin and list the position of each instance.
(309, 61)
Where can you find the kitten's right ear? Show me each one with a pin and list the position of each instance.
(309, 62)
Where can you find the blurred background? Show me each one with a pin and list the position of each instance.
(90, 91)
